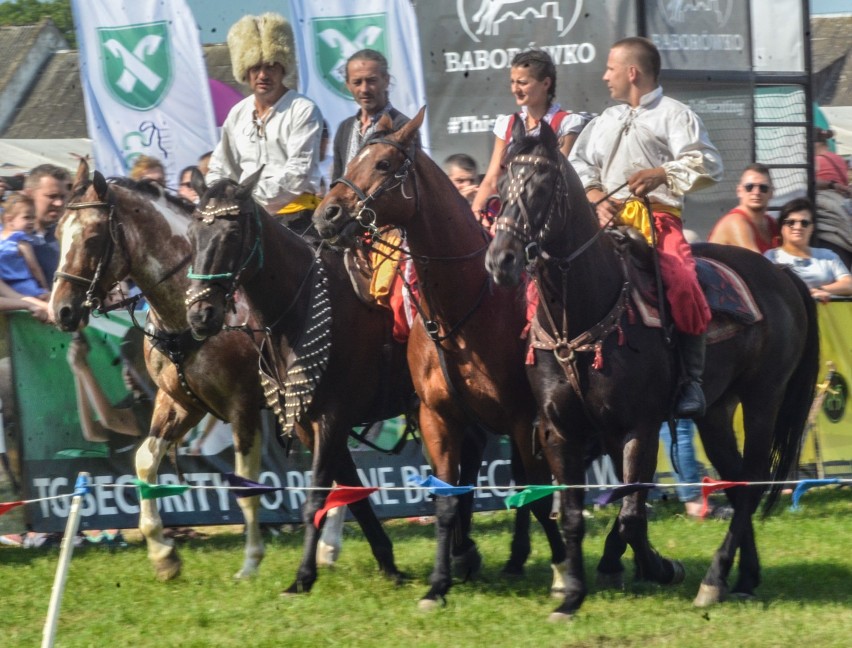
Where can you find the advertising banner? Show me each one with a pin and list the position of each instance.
(468, 46)
(144, 84)
(700, 35)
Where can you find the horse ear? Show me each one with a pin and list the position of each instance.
(82, 172)
(548, 137)
(385, 123)
(196, 181)
(409, 129)
(101, 186)
(246, 187)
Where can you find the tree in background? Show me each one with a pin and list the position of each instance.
(30, 12)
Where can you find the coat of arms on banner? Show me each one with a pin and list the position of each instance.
(336, 39)
(137, 63)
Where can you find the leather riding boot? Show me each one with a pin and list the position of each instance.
(691, 403)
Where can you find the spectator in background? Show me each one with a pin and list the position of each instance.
(19, 267)
(748, 225)
(146, 167)
(11, 300)
(275, 130)
(49, 186)
(833, 204)
(462, 170)
(821, 269)
(185, 189)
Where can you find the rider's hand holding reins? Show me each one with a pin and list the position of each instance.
(605, 208)
(645, 181)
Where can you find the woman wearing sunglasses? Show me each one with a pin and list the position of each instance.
(821, 269)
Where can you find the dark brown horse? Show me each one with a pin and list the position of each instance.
(111, 231)
(330, 359)
(605, 374)
(466, 352)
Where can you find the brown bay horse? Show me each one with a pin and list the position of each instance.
(465, 351)
(330, 359)
(111, 231)
(607, 375)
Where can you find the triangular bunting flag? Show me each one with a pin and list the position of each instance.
(608, 497)
(152, 491)
(247, 488)
(438, 487)
(708, 486)
(5, 507)
(341, 496)
(807, 484)
(531, 494)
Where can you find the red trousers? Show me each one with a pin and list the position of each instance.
(690, 312)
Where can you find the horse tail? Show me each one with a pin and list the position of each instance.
(791, 423)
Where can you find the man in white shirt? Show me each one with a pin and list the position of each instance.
(275, 128)
(653, 146)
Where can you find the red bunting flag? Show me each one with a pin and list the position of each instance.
(341, 496)
(711, 486)
(5, 507)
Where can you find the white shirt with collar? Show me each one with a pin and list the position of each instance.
(660, 132)
(288, 148)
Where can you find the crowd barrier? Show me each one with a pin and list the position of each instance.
(51, 451)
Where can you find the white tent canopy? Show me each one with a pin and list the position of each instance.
(21, 155)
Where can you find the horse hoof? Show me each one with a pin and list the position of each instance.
(245, 574)
(609, 581)
(296, 589)
(168, 568)
(512, 569)
(709, 595)
(428, 605)
(679, 573)
(744, 597)
(559, 617)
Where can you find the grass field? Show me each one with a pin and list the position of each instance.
(112, 598)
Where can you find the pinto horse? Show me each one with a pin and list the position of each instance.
(329, 358)
(466, 352)
(111, 231)
(598, 371)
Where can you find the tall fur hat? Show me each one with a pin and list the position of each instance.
(262, 39)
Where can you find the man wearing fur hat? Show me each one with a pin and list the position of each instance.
(275, 128)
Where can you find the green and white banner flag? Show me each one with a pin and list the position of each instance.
(144, 84)
(328, 33)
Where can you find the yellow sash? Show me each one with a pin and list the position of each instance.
(385, 261)
(635, 214)
(300, 203)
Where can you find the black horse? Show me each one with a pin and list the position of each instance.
(601, 372)
(319, 378)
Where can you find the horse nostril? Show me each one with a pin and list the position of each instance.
(333, 213)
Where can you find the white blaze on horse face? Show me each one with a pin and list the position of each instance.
(72, 230)
(177, 222)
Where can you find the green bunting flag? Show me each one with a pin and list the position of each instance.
(151, 491)
(531, 494)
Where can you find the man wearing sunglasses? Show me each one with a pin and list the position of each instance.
(748, 225)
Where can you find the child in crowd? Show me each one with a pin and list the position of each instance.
(18, 265)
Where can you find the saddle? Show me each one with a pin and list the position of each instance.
(730, 299)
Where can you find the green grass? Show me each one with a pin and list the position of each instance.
(111, 596)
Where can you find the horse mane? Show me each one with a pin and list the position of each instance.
(153, 190)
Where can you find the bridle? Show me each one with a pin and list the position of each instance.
(91, 301)
(521, 228)
(366, 216)
(233, 278)
(115, 239)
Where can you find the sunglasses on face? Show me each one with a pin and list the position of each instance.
(792, 222)
(750, 186)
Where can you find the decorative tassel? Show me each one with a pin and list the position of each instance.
(530, 355)
(621, 338)
(597, 365)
